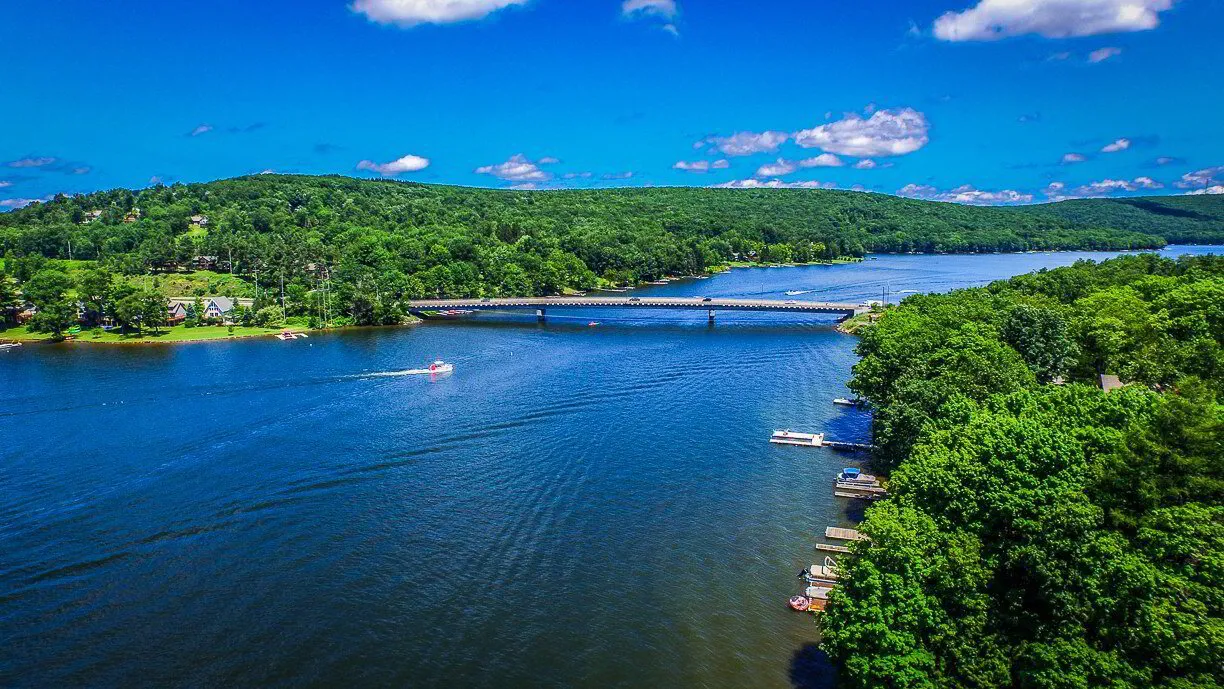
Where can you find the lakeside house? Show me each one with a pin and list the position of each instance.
(199, 220)
(215, 308)
(1109, 383)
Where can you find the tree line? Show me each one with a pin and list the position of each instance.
(1040, 532)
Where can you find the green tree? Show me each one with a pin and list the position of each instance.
(1042, 337)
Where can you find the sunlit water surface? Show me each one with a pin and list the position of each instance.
(575, 506)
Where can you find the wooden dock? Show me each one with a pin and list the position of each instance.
(859, 496)
(837, 533)
(829, 547)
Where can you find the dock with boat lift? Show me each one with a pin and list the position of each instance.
(851, 483)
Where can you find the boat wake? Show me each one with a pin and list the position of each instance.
(405, 372)
(797, 292)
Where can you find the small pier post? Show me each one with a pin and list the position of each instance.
(711, 316)
(540, 314)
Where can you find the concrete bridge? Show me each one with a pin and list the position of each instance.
(709, 304)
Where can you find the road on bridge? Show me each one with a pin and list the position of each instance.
(711, 304)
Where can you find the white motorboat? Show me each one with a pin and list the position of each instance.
(436, 368)
(846, 402)
(9, 345)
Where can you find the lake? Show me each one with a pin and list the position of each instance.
(575, 507)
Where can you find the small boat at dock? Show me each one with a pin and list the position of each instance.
(290, 335)
(9, 345)
(847, 402)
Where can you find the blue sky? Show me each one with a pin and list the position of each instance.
(978, 101)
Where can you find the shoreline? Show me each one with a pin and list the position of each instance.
(201, 340)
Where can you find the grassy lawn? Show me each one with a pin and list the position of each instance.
(177, 333)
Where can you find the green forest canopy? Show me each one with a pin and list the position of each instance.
(376, 243)
(1041, 534)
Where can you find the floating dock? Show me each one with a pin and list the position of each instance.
(837, 533)
(801, 439)
(829, 547)
(789, 437)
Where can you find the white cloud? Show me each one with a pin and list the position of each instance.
(965, 194)
(1103, 54)
(661, 12)
(1070, 158)
(17, 203)
(866, 164)
(662, 8)
(548, 160)
(778, 168)
(1109, 186)
(408, 163)
(576, 175)
(200, 129)
(1217, 189)
(1167, 160)
(701, 165)
(408, 13)
(745, 143)
(782, 167)
(525, 186)
(518, 169)
(33, 161)
(822, 160)
(992, 20)
(885, 133)
(1119, 145)
(1201, 178)
(5, 183)
(617, 175)
(774, 184)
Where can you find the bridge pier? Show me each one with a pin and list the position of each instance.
(540, 315)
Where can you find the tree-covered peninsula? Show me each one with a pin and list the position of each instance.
(1041, 532)
(351, 251)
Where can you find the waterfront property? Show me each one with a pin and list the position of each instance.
(215, 308)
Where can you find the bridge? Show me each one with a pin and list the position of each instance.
(709, 304)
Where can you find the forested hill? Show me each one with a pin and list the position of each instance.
(1179, 219)
(608, 228)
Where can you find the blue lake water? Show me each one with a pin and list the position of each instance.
(574, 507)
